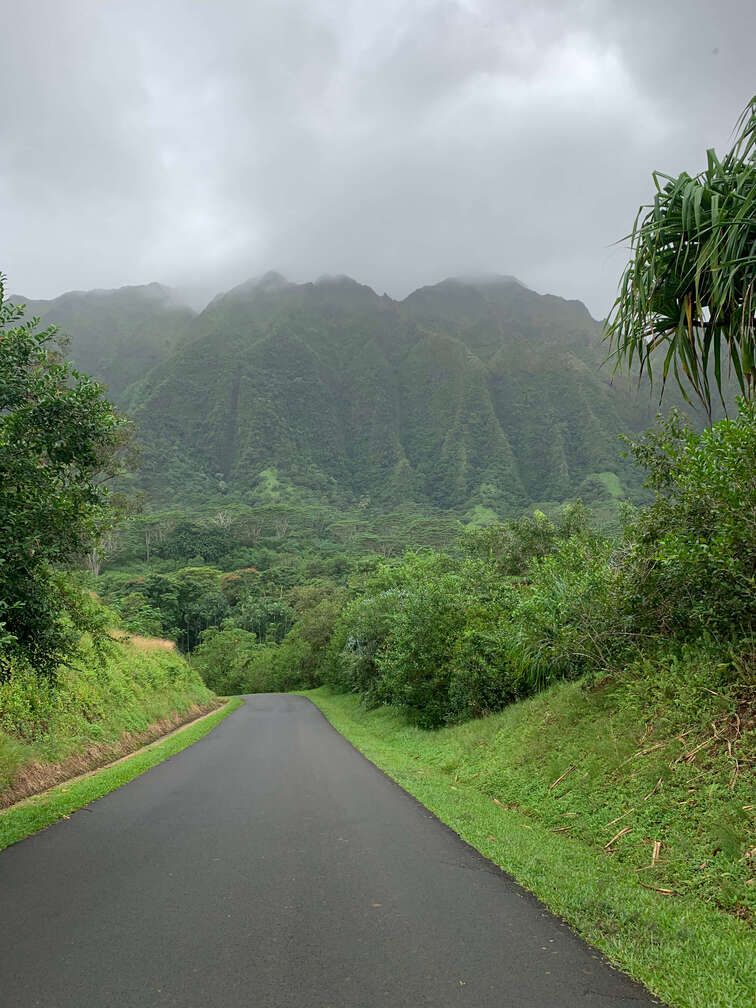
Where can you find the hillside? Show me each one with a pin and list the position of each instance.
(472, 395)
(116, 335)
(111, 699)
(467, 393)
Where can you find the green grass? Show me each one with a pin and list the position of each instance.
(491, 781)
(95, 700)
(60, 802)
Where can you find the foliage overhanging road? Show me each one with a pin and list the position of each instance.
(270, 864)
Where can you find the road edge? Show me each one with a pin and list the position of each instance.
(546, 884)
(39, 811)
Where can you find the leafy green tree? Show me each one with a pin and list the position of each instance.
(688, 290)
(59, 441)
(512, 545)
(187, 540)
(269, 618)
(189, 601)
(138, 616)
(688, 565)
(222, 658)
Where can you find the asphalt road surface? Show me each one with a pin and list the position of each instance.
(269, 865)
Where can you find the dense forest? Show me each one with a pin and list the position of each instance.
(471, 396)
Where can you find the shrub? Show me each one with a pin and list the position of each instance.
(415, 666)
(358, 637)
(484, 677)
(566, 621)
(689, 560)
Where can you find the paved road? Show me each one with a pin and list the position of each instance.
(271, 865)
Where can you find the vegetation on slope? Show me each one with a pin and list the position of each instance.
(116, 335)
(104, 703)
(466, 394)
(70, 696)
(627, 814)
(471, 395)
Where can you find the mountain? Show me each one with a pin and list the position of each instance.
(116, 335)
(473, 391)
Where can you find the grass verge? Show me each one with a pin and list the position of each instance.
(491, 780)
(103, 704)
(42, 810)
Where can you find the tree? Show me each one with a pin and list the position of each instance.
(689, 288)
(689, 562)
(222, 658)
(60, 440)
(189, 601)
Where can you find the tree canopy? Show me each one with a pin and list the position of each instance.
(59, 441)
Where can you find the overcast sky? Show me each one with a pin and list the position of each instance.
(399, 141)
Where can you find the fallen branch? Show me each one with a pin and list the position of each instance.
(619, 817)
(689, 756)
(566, 773)
(645, 752)
(661, 889)
(654, 789)
(614, 839)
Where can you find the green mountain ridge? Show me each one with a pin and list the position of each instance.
(473, 392)
(116, 335)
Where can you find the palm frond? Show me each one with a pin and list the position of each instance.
(689, 284)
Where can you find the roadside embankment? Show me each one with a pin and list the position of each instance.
(628, 809)
(101, 707)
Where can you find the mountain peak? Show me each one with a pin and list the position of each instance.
(271, 280)
(480, 280)
(337, 280)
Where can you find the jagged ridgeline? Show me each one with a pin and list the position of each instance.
(471, 392)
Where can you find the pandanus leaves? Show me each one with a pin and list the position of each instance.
(687, 298)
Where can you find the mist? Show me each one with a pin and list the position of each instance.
(200, 144)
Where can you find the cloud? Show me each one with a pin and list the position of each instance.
(400, 142)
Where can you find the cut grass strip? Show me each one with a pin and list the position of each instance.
(42, 810)
(685, 951)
